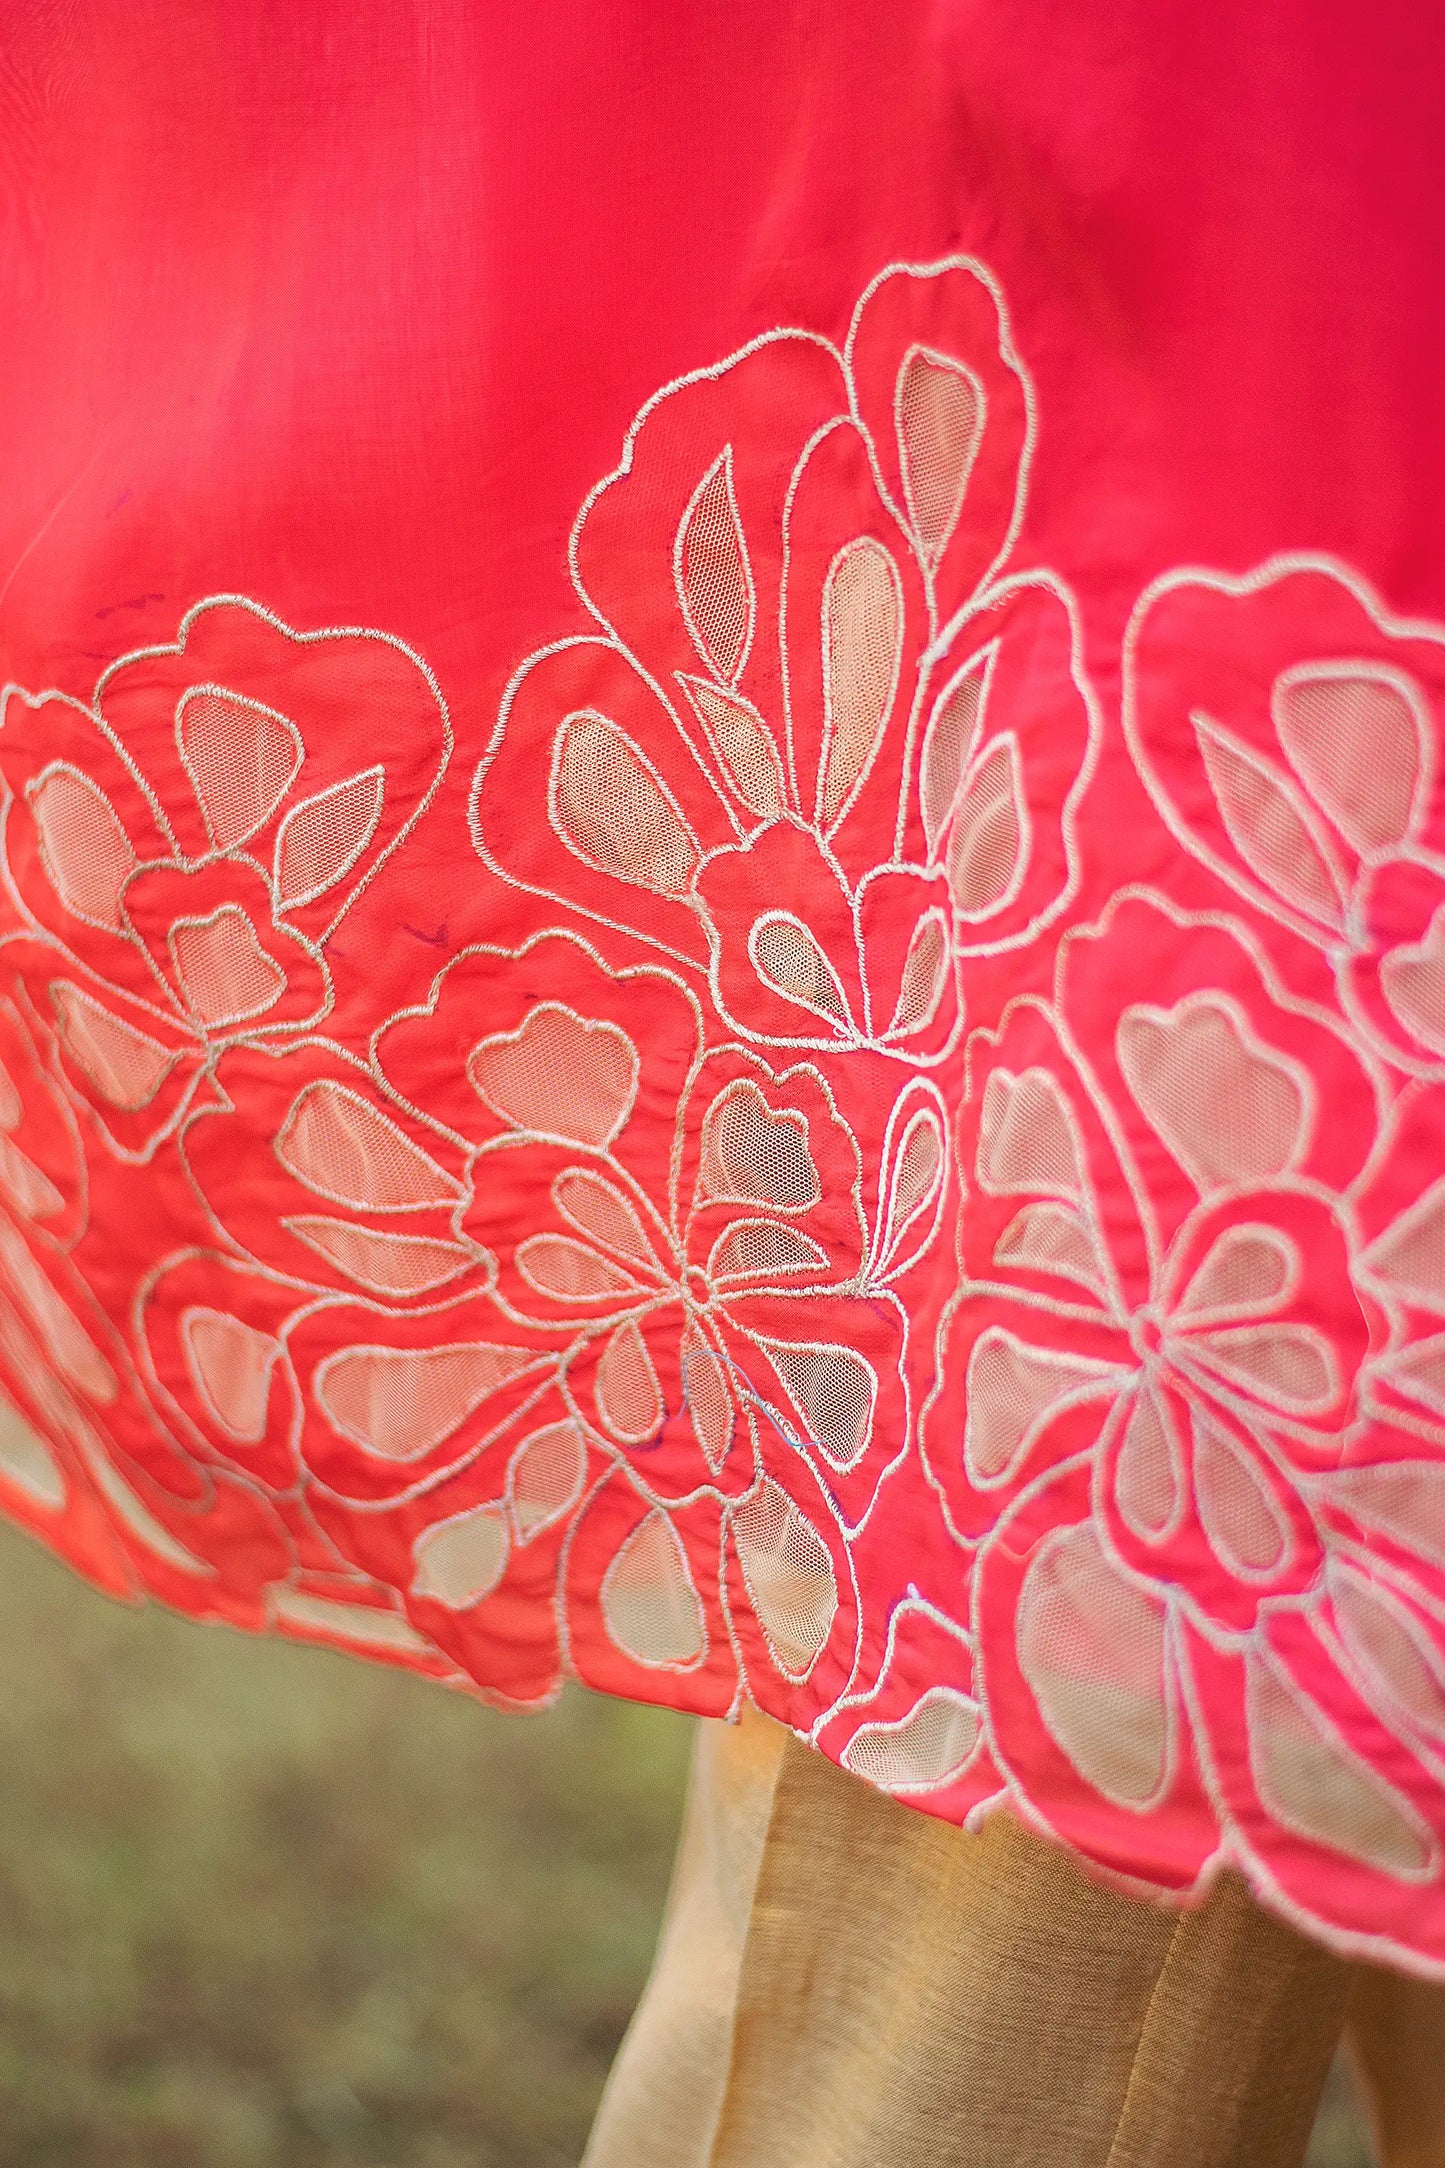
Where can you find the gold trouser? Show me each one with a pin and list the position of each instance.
(844, 1983)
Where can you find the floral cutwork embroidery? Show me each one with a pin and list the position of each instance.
(893, 1198)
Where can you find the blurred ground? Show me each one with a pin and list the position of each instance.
(265, 1907)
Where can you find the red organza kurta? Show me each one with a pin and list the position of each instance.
(834, 1090)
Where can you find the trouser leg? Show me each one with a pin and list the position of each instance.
(845, 1983)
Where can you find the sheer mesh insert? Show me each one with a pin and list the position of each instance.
(862, 646)
(322, 838)
(763, 1249)
(83, 847)
(232, 1364)
(1392, 1653)
(1287, 1365)
(788, 955)
(1310, 1780)
(598, 1208)
(342, 1147)
(242, 760)
(752, 1156)
(1146, 1479)
(568, 1271)
(833, 1390)
(558, 1075)
(985, 851)
(628, 1393)
(713, 573)
(1241, 1517)
(1227, 1109)
(926, 1749)
(940, 412)
(948, 747)
(224, 972)
(460, 1561)
(1026, 1139)
(789, 1576)
(1413, 982)
(1091, 1647)
(402, 1402)
(28, 1463)
(1355, 739)
(615, 812)
(1264, 814)
(548, 1470)
(126, 1066)
(650, 1605)
(383, 1264)
(743, 744)
(362, 1623)
(1245, 1271)
(1052, 1239)
(925, 972)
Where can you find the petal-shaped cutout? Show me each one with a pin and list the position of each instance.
(760, 1249)
(1404, 1499)
(1314, 1784)
(1410, 1254)
(68, 1344)
(598, 1209)
(401, 1402)
(23, 1184)
(547, 1473)
(224, 972)
(231, 1365)
(862, 647)
(1229, 1110)
(925, 976)
(321, 839)
(1270, 825)
(714, 580)
(1026, 1137)
(1053, 1239)
(988, 848)
(649, 1600)
(922, 1751)
(1412, 979)
(383, 1264)
(628, 1394)
(28, 1463)
(1400, 1666)
(708, 1397)
(1418, 1371)
(1291, 1367)
(1091, 1647)
(342, 1147)
(1353, 736)
(126, 1066)
(1013, 1391)
(940, 408)
(789, 1576)
(569, 1271)
(914, 1179)
(460, 1561)
(558, 1075)
(1147, 1473)
(787, 956)
(12, 1107)
(743, 744)
(1247, 1271)
(948, 744)
(1241, 1516)
(242, 759)
(366, 1625)
(833, 1390)
(615, 812)
(750, 1155)
(84, 849)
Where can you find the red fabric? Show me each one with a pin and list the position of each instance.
(834, 1090)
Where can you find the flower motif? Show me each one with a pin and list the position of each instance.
(819, 746)
(1165, 1359)
(1289, 730)
(182, 861)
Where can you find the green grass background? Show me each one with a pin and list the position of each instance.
(266, 1907)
